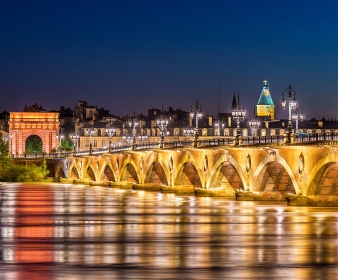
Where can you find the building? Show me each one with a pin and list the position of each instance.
(265, 106)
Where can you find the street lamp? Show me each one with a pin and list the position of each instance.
(74, 139)
(238, 114)
(291, 96)
(196, 110)
(110, 131)
(188, 132)
(218, 125)
(142, 137)
(126, 138)
(59, 138)
(297, 116)
(254, 125)
(133, 123)
(91, 133)
(162, 124)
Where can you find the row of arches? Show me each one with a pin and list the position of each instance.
(270, 176)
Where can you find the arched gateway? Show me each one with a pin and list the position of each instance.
(24, 124)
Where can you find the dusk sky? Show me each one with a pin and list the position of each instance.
(137, 55)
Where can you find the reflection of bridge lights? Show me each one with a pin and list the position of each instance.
(159, 196)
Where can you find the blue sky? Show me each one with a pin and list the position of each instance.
(137, 55)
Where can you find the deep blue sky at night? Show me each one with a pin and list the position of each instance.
(137, 55)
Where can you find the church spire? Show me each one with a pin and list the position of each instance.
(234, 103)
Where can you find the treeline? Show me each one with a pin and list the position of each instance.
(11, 172)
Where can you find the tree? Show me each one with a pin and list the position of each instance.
(10, 172)
(43, 168)
(5, 159)
(33, 144)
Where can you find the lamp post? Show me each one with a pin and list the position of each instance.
(238, 114)
(110, 131)
(196, 110)
(188, 132)
(142, 137)
(126, 138)
(297, 116)
(218, 125)
(74, 139)
(91, 133)
(162, 124)
(133, 123)
(254, 125)
(291, 96)
(59, 138)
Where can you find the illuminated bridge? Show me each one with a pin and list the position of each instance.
(265, 171)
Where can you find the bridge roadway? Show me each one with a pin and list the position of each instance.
(271, 170)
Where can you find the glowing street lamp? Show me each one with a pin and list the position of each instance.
(218, 125)
(142, 137)
(110, 131)
(127, 138)
(188, 132)
(75, 139)
(59, 138)
(162, 124)
(297, 116)
(133, 123)
(196, 110)
(291, 98)
(254, 125)
(238, 114)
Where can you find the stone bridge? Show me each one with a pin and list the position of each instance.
(272, 172)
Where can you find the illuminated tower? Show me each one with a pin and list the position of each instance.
(265, 106)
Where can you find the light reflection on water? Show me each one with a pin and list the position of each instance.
(56, 231)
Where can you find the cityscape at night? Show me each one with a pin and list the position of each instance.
(145, 139)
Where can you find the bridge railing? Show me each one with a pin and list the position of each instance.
(219, 141)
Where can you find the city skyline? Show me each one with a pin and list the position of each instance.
(137, 55)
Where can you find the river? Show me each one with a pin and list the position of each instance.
(62, 231)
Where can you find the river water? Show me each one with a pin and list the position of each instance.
(62, 231)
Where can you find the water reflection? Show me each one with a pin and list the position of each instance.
(80, 232)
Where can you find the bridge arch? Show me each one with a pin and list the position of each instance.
(274, 174)
(129, 172)
(106, 173)
(154, 163)
(60, 172)
(90, 173)
(188, 173)
(217, 171)
(61, 168)
(156, 174)
(323, 176)
(74, 172)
